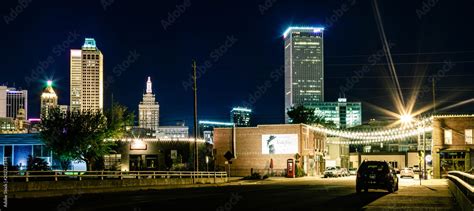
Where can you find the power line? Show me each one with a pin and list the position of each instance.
(401, 63)
(404, 54)
(405, 76)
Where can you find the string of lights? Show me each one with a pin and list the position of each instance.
(366, 137)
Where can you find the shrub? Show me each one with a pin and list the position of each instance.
(300, 172)
(253, 176)
(37, 164)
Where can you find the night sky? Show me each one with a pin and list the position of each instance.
(425, 34)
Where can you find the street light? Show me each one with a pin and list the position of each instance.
(407, 119)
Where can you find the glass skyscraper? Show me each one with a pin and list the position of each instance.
(304, 66)
(342, 113)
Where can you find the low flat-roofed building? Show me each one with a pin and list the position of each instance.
(453, 147)
(260, 148)
(15, 149)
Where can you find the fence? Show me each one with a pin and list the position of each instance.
(461, 185)
(26, 176)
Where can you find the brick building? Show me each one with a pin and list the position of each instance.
(452, 144)
(265, 146)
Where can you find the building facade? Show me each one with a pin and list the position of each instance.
(15, 149)
(173, 132)
(149, 109)
(206, 129)
(49, 99)
(304, 66)
(453, 148)
(3, 101)
(240, 116)
(267, 148)
(87, 76)
(16, 103)
(342, 113)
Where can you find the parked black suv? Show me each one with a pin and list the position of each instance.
(376, 175)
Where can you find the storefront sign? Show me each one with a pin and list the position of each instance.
(138, 145)
(174, 154)
(280, 144)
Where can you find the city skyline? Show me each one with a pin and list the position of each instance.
(130, 59)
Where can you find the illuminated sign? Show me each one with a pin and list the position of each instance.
(280, 144)
(138, 145)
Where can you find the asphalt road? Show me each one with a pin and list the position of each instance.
(274, 194)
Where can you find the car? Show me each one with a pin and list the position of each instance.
(353, 171)
(407, 172)
(416, 168)
(376, 175)
(339, 171)
(332, 171)
(397, 170)
(345, 172)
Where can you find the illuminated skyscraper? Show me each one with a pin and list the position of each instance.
(15, 100)
(49, 99)
(304, 66)
(342, 113)
(3, 101)
(87, 70)
(149, 109)
(240, 116)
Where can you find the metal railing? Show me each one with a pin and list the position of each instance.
(102, 175)
(464, 182)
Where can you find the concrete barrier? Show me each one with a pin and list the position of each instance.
(463, 201)
(52, 188)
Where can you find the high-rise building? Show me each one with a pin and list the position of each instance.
(87, 69)
(49, 99)
(206, 129)
(3, 101)
(342, 113)
(304, 67)
(149, 109)
(240, 116)
(16, 100)
(175, 132)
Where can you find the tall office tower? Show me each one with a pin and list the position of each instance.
(3, 101)
(149, 109)
(16, 100)
(87, 78)
(240, 116)
(304, 66)
(342, 113)
(49, 99)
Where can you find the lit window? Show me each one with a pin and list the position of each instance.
(468, 134)
(448, 136)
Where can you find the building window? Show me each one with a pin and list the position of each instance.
(112, 162)
(448, 136)
(468, 135)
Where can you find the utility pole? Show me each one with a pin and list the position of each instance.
(434, 96)
(424, 152)
(196, 167)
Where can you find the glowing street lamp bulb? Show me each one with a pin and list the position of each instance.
(406, 118)
(49, 82)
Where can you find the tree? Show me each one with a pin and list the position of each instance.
(305, 115)
(59, 134)
(37, 164)
(76, 135)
